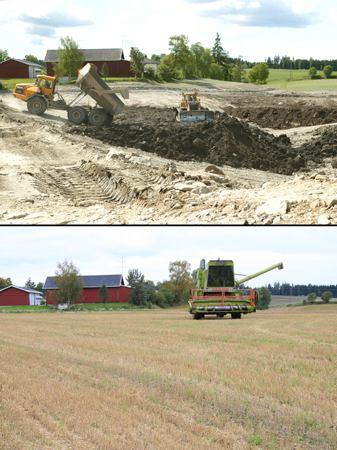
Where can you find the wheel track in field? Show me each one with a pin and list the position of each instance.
(90, 183)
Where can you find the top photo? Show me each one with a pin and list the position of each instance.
(181, 112)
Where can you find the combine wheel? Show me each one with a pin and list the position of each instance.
(236, 315)
(98, 118)
(198, 316)
(37, 105)
(77, 115)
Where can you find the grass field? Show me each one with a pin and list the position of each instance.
(10, 84)
(298, 80)
(79, 307)
(159, 380)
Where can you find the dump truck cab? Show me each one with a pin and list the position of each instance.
(217, 292)
(44, 85)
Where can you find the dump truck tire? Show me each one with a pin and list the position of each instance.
(98, 118)
(37, 105)
(77, 115)
(236, 316)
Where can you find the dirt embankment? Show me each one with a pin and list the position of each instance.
(285, 117)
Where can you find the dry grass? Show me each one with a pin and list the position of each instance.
(158, 380)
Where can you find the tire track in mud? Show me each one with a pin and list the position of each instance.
(90, 183)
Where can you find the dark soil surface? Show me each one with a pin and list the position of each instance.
(285, 117)
(227, 141)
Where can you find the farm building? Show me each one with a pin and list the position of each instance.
(19, 68)
(117, 291)
(20, 296)
(113, 58)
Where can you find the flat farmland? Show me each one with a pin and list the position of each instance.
(159, 380)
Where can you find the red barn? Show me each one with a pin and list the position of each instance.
(18, 296)
(19, 68)
(112, 57)
(117, 291)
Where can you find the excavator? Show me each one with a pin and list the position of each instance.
(218, 293)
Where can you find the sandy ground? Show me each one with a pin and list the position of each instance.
(48, 176)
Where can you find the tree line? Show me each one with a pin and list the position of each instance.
(301, 290)
(286, 62)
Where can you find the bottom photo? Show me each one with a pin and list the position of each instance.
(168, 337)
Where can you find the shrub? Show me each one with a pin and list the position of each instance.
(167, 70)
(259, 74)
(326, 296)
(312, 297)
(328, 71)
(216, 72)
(2, 86)
(313, 73)
(150, 74)
(264, 298)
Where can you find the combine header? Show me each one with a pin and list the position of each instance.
(218, 293)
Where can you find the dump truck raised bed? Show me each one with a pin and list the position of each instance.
(42, 96)
(218, 293)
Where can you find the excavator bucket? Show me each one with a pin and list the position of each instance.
(195, 116)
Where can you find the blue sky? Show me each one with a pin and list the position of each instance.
(309, 254)
(253, 29)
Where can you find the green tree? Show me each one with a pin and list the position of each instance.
(180, 282)
(182, 56)
(5, 282)
(219, 54)
(31, 58)
(313, 72)
(259, 74)
(71, 58)
(328, 70)
(264, 298)
(39, 287)
(202, 60)
(136, 281)
(103, 293)
(68, 282)
(30, 284)
(326, 296)
(3, 55)
(105, 70)
(220, 57)
(238, 71)
(312, 297)
(216, 72)
(167, 70)
(137, 62)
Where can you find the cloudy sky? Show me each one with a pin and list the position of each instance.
(309, 254)
(253, 29)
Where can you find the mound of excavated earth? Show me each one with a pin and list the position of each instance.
(226, 141)
(282, 118)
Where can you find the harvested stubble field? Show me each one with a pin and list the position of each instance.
(158, 380)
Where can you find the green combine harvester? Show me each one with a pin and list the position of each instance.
(218, 293)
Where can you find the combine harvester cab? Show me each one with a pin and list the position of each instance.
(218, 293)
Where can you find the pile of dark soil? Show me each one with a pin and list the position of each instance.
(323, 147)
(285, 117)
(227, 141)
